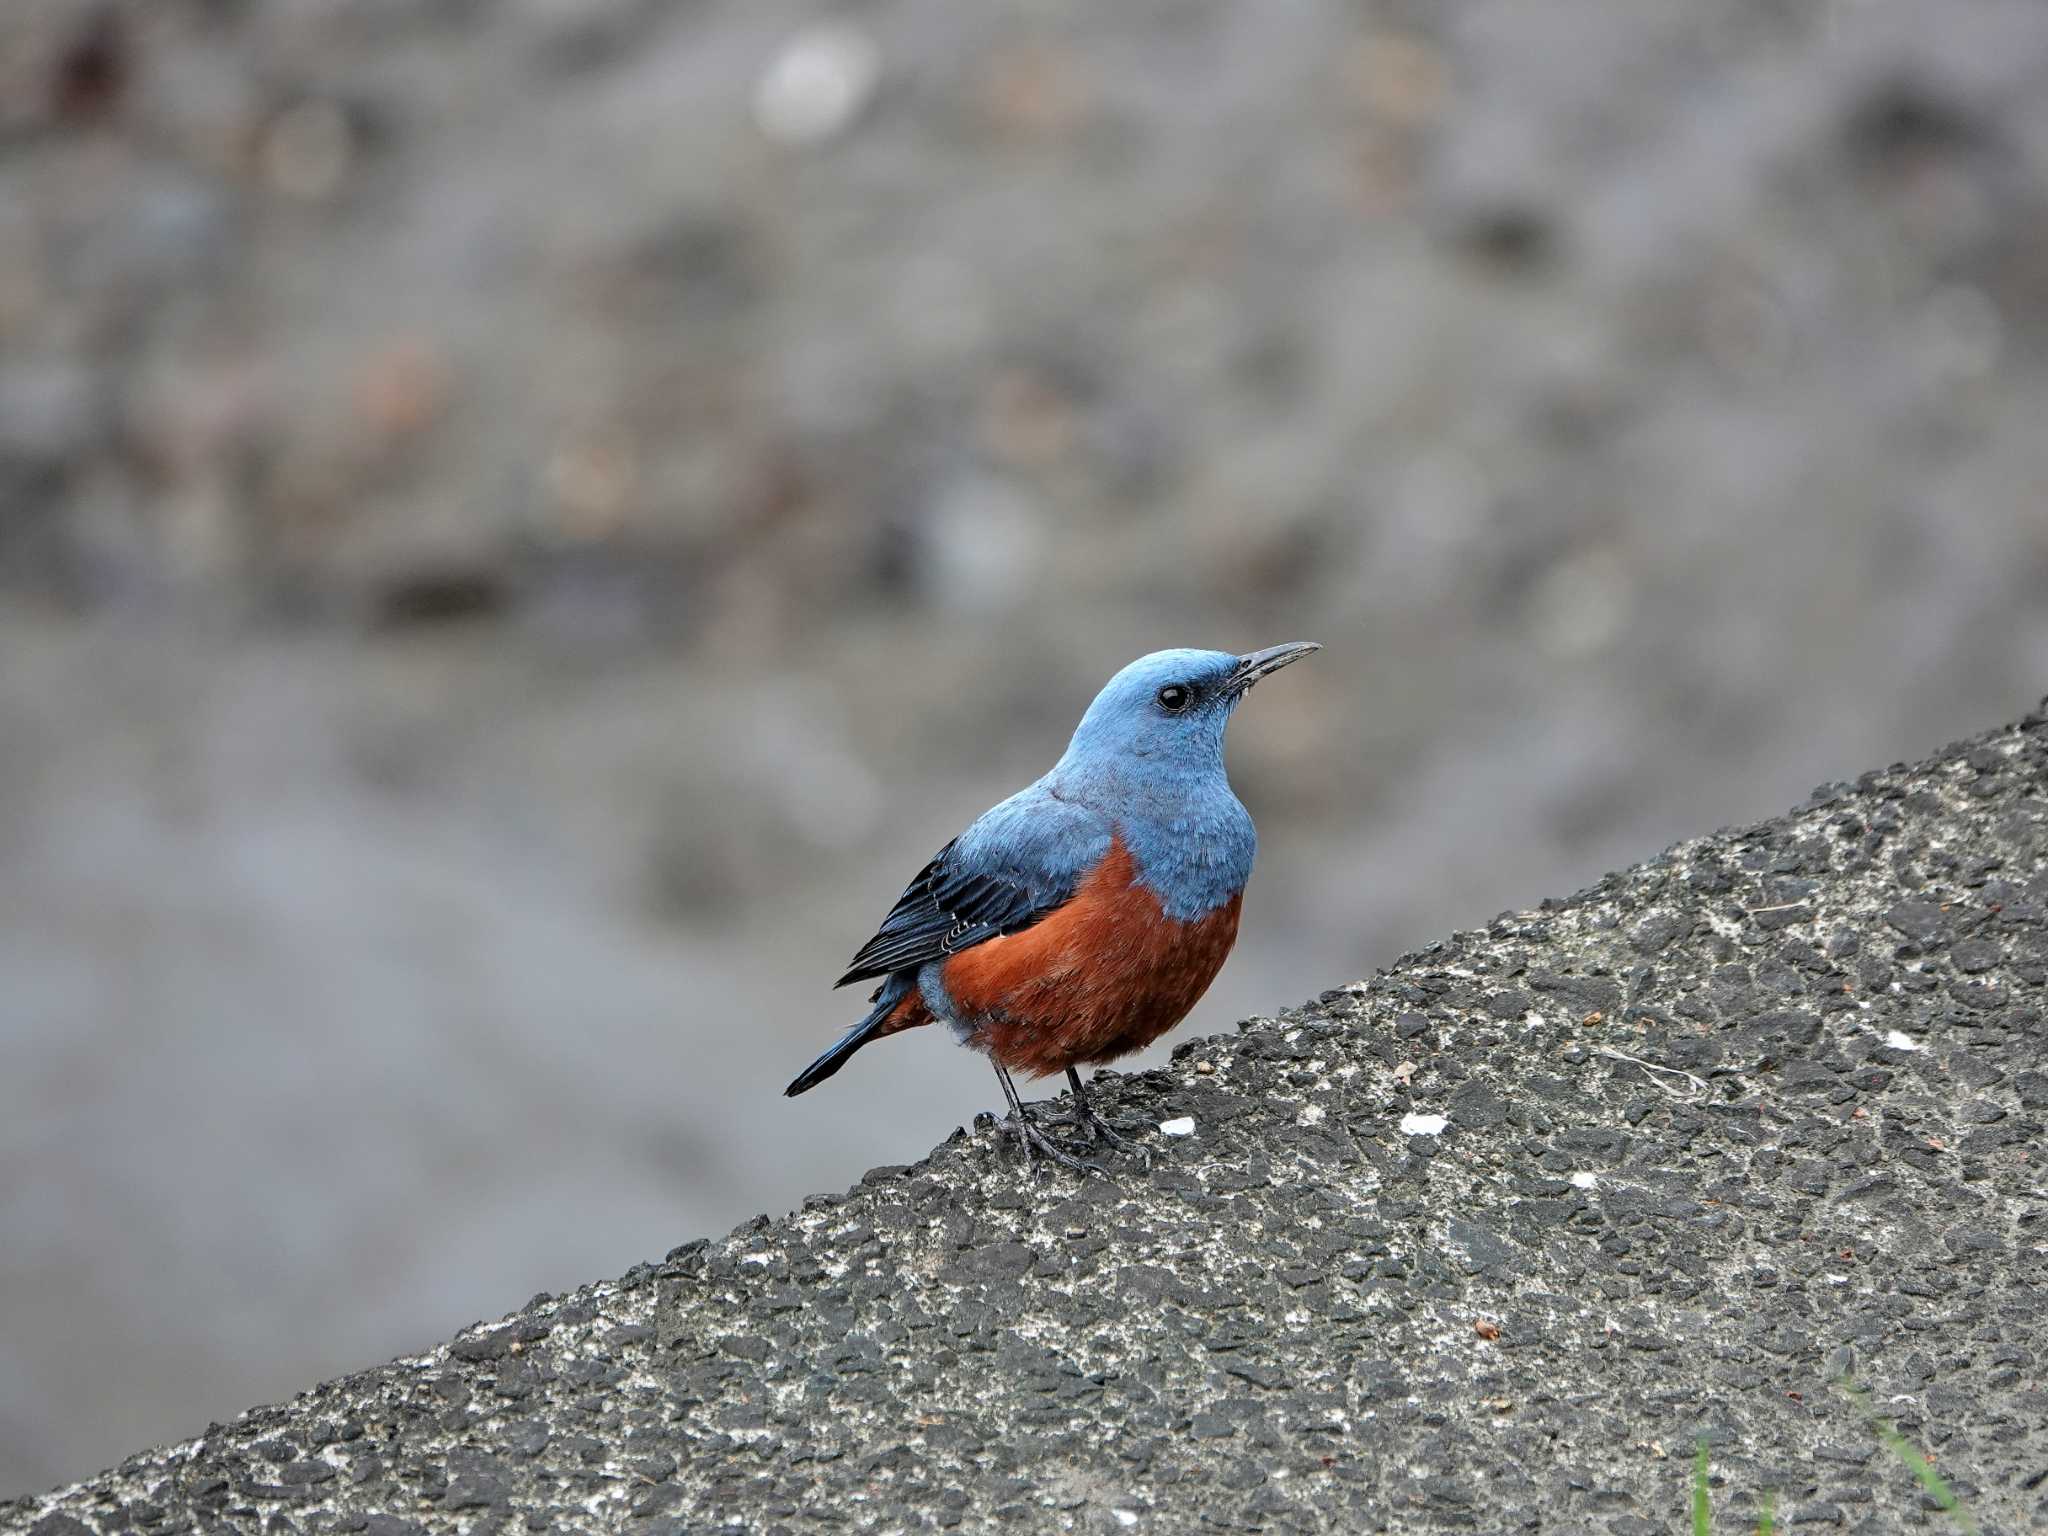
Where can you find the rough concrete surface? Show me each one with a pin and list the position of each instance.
(1757, 1115)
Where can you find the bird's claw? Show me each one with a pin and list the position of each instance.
(1095, 1128)
(1035, 1142)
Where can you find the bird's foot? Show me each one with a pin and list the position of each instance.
(1027, 1133)
(1084, 1119)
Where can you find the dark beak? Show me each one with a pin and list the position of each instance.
(1258, 664)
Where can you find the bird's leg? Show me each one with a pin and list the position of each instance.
(1025, 1129)
(1089, 1123)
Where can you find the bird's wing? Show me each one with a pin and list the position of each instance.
(1019, 862)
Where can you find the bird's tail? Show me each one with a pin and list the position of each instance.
(880, 1021)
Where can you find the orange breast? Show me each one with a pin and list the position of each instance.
(1105, 975)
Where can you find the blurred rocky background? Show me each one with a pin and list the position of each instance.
(522, 522)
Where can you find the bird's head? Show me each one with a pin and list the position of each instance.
(1168, 710)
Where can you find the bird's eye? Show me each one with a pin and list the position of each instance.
(1174, 697)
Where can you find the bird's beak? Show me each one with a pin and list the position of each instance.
(1258, 664)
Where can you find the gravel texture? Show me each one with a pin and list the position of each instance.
(1751, 1118)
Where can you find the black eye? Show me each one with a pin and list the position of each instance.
(1174, 697)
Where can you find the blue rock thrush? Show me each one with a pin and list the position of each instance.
(1083, 917)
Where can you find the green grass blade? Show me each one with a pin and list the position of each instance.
(1936, 1485)
(1702, 1517)
(1766, 1525)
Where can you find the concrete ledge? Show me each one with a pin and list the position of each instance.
(1761, 1113)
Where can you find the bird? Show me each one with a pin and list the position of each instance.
(1083, 917)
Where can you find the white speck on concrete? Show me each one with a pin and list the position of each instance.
(1125, 1517)
(1311, 1114)
(1899, 1040)
(1185, 1126)
(1413, 1124)
(818, 84)
(1584, 1180)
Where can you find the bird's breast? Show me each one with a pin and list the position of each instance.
(1103, 976)
(1195, 861)
(1190, 840)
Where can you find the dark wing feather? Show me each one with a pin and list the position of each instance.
(946, 909)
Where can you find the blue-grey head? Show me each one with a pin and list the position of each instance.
(1164, 714)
